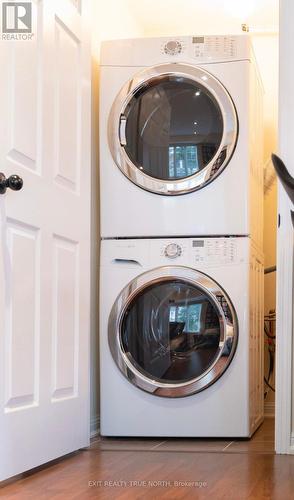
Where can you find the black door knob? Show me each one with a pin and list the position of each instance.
(13, 182)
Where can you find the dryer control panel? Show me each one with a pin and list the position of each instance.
(204, 48)
(194, 49)
(214, 47)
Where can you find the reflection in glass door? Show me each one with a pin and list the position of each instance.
(189, 315)
(183, 161)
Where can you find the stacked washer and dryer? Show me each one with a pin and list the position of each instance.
(181, 179)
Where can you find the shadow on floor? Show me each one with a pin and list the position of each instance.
(263, 441)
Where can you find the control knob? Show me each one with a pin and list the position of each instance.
(172, 251)
(173, 47)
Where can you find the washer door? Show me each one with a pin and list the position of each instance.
(172, 331)
(172, 129)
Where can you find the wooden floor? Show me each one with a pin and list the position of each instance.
(175, 468)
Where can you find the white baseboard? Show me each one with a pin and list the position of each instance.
(94, 426)
(269, 408)
(292, 441)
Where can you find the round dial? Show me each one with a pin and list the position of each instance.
(173, 47)
(172, 251)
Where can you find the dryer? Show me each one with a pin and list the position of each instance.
(181, 337)
(180, 137)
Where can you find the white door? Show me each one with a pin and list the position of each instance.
(285, 267)
(45, 238)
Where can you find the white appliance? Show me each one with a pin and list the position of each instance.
(180, 137)
(181, 337)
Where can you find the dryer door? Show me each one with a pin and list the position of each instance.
(172, 129)
(172, 331)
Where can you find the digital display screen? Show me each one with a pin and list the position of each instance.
(198, 39)
(198, 243)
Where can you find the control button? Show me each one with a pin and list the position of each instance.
(173, 47)
(172, 251)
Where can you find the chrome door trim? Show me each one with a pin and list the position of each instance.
(212, 169)
(228, 341)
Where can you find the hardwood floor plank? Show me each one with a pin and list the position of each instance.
(133, 474)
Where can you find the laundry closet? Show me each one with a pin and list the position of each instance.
(187, 199)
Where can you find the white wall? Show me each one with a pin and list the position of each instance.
(198, 16)
(113, 19)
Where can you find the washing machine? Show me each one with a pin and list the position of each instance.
(181, 337)
(180, 137)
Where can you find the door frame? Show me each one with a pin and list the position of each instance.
(284, 436)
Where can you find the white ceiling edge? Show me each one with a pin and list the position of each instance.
(179, 17)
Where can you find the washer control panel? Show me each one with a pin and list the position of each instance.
(173, 250)
(214, 251)
(197, 252)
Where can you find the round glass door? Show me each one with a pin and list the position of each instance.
(174, 128)
(175, 334)
(177, 130)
